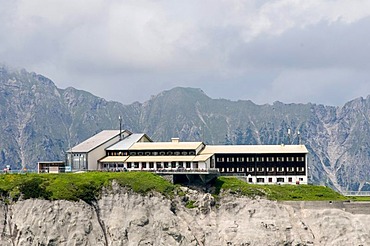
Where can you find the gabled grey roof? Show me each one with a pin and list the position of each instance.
(95, 141)
(127, 142)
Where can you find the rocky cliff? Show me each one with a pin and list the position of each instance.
(39, 121)
(121, 217)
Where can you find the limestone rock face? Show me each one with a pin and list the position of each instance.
(122, 217)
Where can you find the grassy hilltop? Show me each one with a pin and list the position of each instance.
(88, 186)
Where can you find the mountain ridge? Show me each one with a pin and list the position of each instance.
(39, 121)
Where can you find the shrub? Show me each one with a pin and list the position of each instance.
(33, 187)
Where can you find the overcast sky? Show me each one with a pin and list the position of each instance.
(127, 50)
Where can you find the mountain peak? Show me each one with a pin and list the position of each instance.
(184, 92)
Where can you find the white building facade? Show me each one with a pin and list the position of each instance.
(261, 164)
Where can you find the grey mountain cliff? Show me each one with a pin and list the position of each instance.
(39, 121)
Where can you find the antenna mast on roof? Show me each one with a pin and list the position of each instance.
(120, 127)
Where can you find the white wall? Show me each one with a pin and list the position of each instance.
(98, 153)
(274, 179)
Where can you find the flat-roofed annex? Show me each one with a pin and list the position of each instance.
(254, 149)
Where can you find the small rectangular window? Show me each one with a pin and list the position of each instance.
(280, 159)
(280, 169)
(260, 180)
(195, 165)
(270, 169)
(250, 169)
(280, 180)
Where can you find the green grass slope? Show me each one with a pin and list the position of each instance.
(277, 192)
(88, 186)
(73, 186)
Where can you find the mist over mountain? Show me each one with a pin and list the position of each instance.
(39, 121)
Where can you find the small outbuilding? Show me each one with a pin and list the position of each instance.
(51, 167)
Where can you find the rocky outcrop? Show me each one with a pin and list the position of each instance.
(121, 217)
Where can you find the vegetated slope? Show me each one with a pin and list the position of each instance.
(190, 217)
(39, 121)
(88, 187)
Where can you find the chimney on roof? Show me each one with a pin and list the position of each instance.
(175, 140)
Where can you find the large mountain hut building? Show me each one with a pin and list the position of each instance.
(113, 150)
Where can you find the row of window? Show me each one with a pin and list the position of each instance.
(262, 169)
(260, 159)
(78, 155)
(150, 153)
(116, 153)
(155, 153)
(158, 165)
(270, 180)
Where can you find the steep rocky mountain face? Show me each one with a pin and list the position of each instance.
(39, 121)
(121, 217)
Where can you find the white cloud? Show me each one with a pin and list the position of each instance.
(239, 49)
